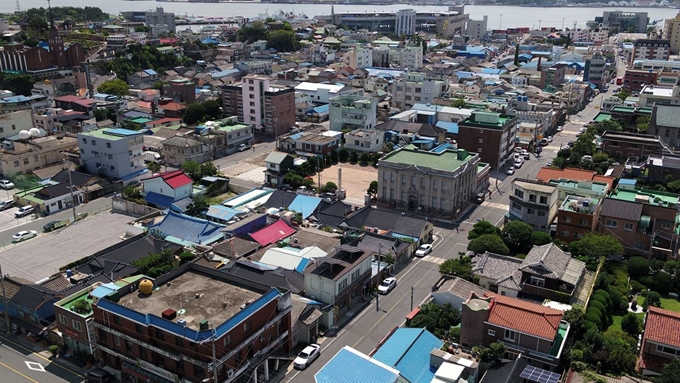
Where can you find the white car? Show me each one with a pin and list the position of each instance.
(243, 147)
(549, 138)
(387, 285)
(518, 164)
(559, 128)
(24, 211)
(6, 184)
(518, 149)
(24, 235)
(307, 356)
(510, 171)
(424, 250)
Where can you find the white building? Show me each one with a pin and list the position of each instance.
(14, 122)
(353, 112)
(407, 58)
(405, 23)
(654, 94)
(359, 57)
(416, 88)
(476, 29)
(174, 184)
(364, 140)
(322, 93)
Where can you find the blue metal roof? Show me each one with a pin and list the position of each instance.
(451, 127)
(442, 147)
(421, 141)
(302, 265)
(408, 350)
(182, 205)
(159, 200)
(222, 212)
(189, 229)
(150, 72)
(351, 366)
(321, 109)
(134, 174)
(304, 204)
(463, 74)
(627, 181)
(492, 71)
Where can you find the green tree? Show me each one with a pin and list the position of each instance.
(516, 60)
(38, 25)
(540, 238)
(517, 234)
(488, 242)
(576, 319)
(153, 166)
(19, 83)
(330, 187)
(596, 245)
(252, 32)
(638, 267)
(116, 86)
(623, 94)
(642, 124)
(652, 299)
(100, 114)
(343, 156)
(458, 103)
(373, 189)
(483, 227)
(670, 372)
(283, 41)
(207, 169)
(192, 169)
(353, 157)
(213, 109)
(663, 283)
(194, 113)
(198, 206)
(630, 323)
(461, 267)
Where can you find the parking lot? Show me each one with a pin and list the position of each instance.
(355, 179)
(40, 257)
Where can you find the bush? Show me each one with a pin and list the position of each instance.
(597, 305)
(636, 287)
(593, 318)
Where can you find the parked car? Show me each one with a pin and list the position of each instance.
(24, 211)
(243, 147)
(52, 225)
(99, 375)
(518, 149)
(510, 171)
(24, 235)
(6, 184)
(549, 138)
(518, 164)
(6, 204)
(387, 285)
(307, 356)
(527, 156)
(559, 128)
(587, 158)
(548, 164)
(424, 250)
(284, 187)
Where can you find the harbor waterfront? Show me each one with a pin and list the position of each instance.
(499, 16)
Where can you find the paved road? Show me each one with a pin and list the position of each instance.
(21, 365)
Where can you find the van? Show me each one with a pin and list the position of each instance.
(99, 375)
(480, 198)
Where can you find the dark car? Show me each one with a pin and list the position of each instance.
(99, 375)
(284, 187)
(52, 225)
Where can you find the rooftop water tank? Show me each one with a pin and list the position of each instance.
(146, 287)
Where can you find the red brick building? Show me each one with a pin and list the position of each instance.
(660, 341)
(36, 59)
(636, 79)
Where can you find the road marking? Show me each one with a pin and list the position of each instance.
(19, 373)
(35, 366)
(431, 259)
(42, 357)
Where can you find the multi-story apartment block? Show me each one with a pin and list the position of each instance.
(643, 220)
(534, 331)
(594, 70)
(339, 286)
(407, 58)
(364, 140)
(671, 31)
(534, 203)
(160, 21)
(490, 134)
(317, 143)
(13, 122)
(577, 216)
(554, 76)
(180, 90)
(76, 103)
(635, 22)
(359, 57)
(636, 79)
(477, 29)
(528, 112)
(426, 182)
(205, 327)
(19, 157)
(660, 341)
(117, 42)
(114, 153)
(659, 95)
(353, 112)
(647, 49)
(665, 123)
(270, 109)
(405, 23)
(629, 145)
(225, 136)
(416, 88)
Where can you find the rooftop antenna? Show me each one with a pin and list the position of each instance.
(18, 7)
(49, 5)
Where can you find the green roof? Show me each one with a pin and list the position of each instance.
(448, 160)
(559, 339)
(630, 195)
(487, 120)
(594, 186)
(602, 116)
(229, 128)
(141, 120)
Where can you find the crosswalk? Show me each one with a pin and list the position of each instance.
(432, 259)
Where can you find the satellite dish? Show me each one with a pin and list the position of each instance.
(24, 134)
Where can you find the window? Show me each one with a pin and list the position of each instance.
(102, 335)
(530, 211)
(160, 360)
(583, 222)
(403, 179)
(492, 332)
(519, 193)
(84, 140)
(610, 223)
(532, 198)
(159, 335)
(342, 284)
(640, 245)
(63, 319)
(509, 335)
(93, 142)
(247, 326)
(139, 328)
(108, 145)
(541, 213)
(434, 184)
(543, 200)
(179, 342)
(423, 182)
(227, 340)
(537, 281)
(76, 325)
(16, 164)
(116, 340)
(116, 320)
(198, 370)
(628, 226)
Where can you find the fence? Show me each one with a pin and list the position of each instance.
(130, 208)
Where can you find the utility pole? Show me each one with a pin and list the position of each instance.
(411, 298)
(70, 188)
(4, 299)
(377, 295)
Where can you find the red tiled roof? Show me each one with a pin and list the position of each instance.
(529, 318)
(663, 326)
(164, 120)
(606, 179)
(77, 100)
(175, 178)
(547, 174)
(173, 106)
(273, 233)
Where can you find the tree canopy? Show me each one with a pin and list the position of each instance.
(488, 242)
(483, 227)
(596, 246)
(18, 83)
(517, 234)
(283, 41)
(116, 87)
(461, 267)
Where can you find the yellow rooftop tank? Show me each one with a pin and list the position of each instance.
(145, 287)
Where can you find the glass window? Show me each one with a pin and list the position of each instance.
(510, 335)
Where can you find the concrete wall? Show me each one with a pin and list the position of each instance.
(130, 208)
